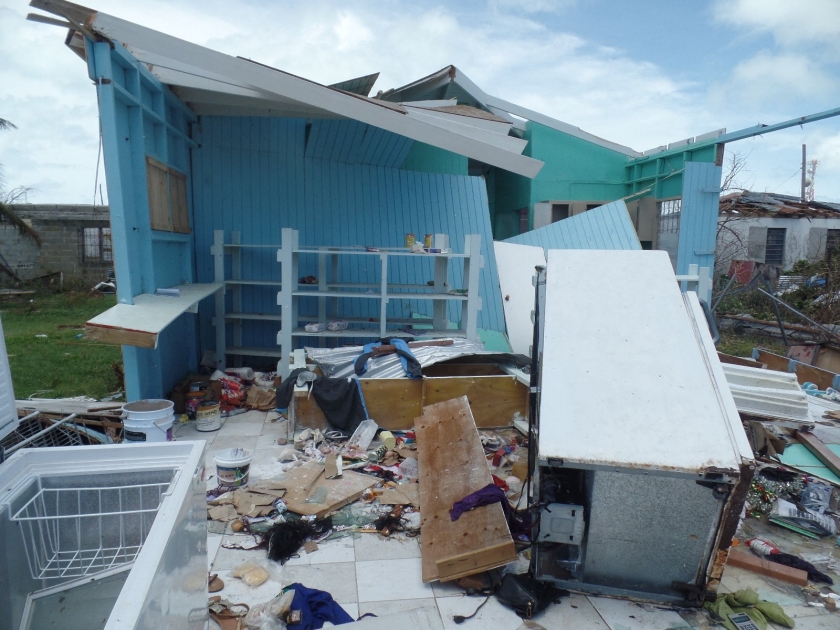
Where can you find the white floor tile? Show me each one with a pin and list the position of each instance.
(492, 616)
(376, 547)
(240, 428)
(825, 621)
(338, 579)
(340, 550)
(625, 615)
(227, 559)
(351, 609)
(574, 612)
(381, 580)
(237, 591)
(390, 607)
(447, 589)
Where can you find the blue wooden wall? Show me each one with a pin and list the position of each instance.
(139, 117)
(605, 227)
(340, 184)
(699, 216)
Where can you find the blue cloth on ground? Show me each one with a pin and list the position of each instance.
(316, 607)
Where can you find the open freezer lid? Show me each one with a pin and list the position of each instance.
(627, 378)
(8, 412)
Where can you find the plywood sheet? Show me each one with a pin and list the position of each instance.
(493, 400)
(823, 379)
(299, 485)
(772, 361)
(452, 466)
(140, 323)
(516, 266)
(393, 403)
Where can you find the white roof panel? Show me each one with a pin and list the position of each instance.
(627, 377)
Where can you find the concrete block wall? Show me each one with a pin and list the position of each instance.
(61, 229)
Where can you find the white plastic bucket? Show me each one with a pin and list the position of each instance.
(208, 417)
(232, 467)
(148, 420)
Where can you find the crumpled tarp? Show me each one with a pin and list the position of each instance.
(746, 601)
(339, 362)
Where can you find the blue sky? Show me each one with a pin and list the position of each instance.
(640, 73)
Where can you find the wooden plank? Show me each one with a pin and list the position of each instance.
(299, 485)
(493, 400)
(180, 207)
(121, 336)
(140, 323)
(810, 374)
(464, 369)
(820, 450)
(764, 567)
(68, 406)
(393, 402)
(452, 466)
(772, 361)
(728, 358)
(156, 177)
(804, 353)
(470, 563)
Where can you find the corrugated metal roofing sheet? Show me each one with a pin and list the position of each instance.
(359, 85)
(606, 227)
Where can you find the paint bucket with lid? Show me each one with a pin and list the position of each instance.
(233, 466)
(208, 417)
(148, 420)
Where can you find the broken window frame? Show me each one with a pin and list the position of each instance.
(168, 198)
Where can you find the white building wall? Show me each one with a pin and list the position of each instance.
(805, 239)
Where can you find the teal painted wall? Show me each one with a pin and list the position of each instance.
(575, 169)
(643, 172)
(428, 159)
(512, 192)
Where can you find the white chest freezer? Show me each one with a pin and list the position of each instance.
(111, 537)
(642, 462)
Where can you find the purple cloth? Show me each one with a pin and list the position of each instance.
(488, 495)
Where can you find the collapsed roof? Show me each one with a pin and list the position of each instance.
(213, 83)
(755, 204)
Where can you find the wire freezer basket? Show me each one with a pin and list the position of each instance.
(75, 532)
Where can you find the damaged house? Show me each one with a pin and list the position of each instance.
(776, 229)
(349, 319)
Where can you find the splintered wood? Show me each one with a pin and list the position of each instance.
(452, 466)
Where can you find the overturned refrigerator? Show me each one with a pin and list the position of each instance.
(642, 463)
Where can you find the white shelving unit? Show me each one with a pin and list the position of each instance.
(330, 292)
(233, 347)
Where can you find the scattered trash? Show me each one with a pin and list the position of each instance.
(232, 466)
(252, 573)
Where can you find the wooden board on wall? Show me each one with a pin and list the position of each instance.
(158, 184)
(772, 361)
(452, 466)
(810, 374)
(395, 402)
(728, 358)
(493, 399)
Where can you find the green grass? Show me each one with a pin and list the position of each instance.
(61, 364)
(742, 345)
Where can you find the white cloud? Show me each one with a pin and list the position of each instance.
(602, 90)
(791, 23)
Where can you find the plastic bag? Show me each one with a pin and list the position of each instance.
(256, 572)
(410, 468)
(268, 616)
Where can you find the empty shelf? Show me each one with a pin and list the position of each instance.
(268, 317)
(254, 352)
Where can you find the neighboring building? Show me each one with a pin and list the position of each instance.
(776, 229)
(75, 241)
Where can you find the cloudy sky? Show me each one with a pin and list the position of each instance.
(641, 73)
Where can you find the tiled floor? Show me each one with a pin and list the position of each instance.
(368, 573)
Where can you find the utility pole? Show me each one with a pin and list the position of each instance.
(802, 194)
